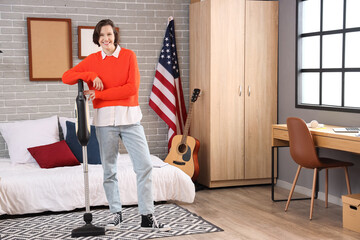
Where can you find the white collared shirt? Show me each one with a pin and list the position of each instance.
(116, 115)
(115, 53)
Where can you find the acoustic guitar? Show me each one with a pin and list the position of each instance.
(184, 148)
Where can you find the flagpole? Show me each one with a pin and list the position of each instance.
(169, 19)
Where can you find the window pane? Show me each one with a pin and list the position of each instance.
(339, 46)
(333, 14)
(310, 16)
(309, 88)
(310, 47)
(352, 50)
(332, 51)
(352, 86)
(352, 13)
(331, 89)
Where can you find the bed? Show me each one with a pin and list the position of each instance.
(28, 188)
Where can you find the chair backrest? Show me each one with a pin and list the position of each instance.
(302, 147)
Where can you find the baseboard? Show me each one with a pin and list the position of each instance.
(306, 191)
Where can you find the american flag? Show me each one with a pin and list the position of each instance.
(167, 98)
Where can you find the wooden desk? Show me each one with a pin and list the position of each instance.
(323, 137)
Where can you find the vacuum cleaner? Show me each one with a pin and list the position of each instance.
(83, 134)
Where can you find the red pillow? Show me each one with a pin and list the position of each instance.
(54, 155)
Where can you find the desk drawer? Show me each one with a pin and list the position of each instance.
(337, 143)
(280, 137)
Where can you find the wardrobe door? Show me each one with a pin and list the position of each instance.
(199, 28)
(227, 79)
(261, 49)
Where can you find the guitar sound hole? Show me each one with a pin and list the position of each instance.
(182, 148)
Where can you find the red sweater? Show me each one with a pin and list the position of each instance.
(120, 76)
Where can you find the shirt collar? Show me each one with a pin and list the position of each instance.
(115, 53)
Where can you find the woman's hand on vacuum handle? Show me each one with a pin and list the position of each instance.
(91, 94)
(98, 84)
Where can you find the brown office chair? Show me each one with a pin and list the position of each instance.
(302, 150)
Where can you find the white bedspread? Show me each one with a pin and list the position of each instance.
(27, 188)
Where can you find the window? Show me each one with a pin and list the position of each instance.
(328, 55)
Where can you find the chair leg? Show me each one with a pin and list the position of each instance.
(293, 188)
(313, 193)
(326, 186)
(347, 180)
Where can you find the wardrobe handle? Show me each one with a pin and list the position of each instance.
(240, 90)
(249, 90)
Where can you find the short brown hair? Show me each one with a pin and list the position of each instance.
(99, 25)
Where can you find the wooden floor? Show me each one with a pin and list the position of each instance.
(249, 213)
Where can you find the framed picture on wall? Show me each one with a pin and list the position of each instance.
(50, 48)
(85, 41)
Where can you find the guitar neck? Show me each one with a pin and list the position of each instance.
(187, 124)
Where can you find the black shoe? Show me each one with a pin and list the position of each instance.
(115, 222)
(148, 222)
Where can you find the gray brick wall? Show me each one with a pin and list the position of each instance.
(142, 26)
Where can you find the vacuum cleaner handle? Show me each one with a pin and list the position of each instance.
(82, 116)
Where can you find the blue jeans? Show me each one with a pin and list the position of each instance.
(133, 137)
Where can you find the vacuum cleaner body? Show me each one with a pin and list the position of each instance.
(82, 125)
(83, 133)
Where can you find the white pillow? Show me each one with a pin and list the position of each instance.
(62, 121)
(22, 135)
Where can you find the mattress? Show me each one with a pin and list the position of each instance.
(27, 188)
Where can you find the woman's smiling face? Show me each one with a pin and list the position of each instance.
(107, 38)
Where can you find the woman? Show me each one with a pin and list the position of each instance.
(113, 78)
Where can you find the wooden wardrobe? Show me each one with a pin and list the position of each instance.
(233, 60)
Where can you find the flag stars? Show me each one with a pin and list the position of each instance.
(168, 55)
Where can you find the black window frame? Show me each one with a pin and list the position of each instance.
(320, 70)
